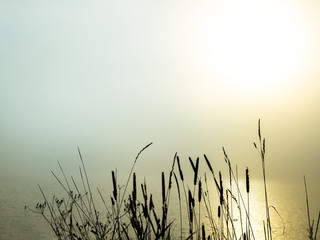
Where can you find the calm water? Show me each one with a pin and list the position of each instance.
(289, 200)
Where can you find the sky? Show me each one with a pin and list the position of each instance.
(189, 76)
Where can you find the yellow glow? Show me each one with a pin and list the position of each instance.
(258, 46)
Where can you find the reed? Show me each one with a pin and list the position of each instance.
(180, 208)
(262, 151)
(114, 184)
(248, 205)
(204, 212)
(312, 230)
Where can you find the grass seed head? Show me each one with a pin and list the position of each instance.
(191, 205)
(259, 132)
(115, 192)
(151, 206)
(196, 172)
(221, 188)
(199, 191)
(134, 191)
(247, 180)
(180, 170)
(163, 188)
(203, 232)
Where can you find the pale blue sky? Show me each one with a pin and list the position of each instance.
(112, 76)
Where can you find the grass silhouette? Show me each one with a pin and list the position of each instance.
(125, 216)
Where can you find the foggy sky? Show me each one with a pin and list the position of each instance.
(112, 76)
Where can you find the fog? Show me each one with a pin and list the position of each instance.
(113, 76)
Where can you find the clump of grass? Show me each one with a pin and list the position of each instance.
(203, 213)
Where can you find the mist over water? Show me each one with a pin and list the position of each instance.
(288, 199)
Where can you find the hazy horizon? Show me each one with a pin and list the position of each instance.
(112, 76)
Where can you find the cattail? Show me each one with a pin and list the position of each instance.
(219, 211)
(180, 171)
(208, 163)
(259, 132)
(221, 189)
(196, 172)
(247, 180)
(247, 234)
(115, 193)
(195, 169)
(203, 232)
(255, 145)
(264, 145)
(199, 191)
(151, 206)
(192, 200)
(191, 205)
(163, 189)
(244, 236)
(134, 191)
(112, 201)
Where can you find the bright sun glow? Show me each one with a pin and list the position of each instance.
(257, 47)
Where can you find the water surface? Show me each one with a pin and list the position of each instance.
(288, 199)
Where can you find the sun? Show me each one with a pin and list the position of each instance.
(256, 46)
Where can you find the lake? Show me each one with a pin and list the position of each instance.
(288, 199)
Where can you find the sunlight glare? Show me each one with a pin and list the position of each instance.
(257, 47)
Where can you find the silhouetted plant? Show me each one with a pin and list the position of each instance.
(209, 214)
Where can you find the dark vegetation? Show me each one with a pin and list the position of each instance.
(125, 216)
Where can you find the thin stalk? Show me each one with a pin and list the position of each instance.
(308, 212)
(239, 206)
(315, 235)
(126, 186)
(179, 197)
